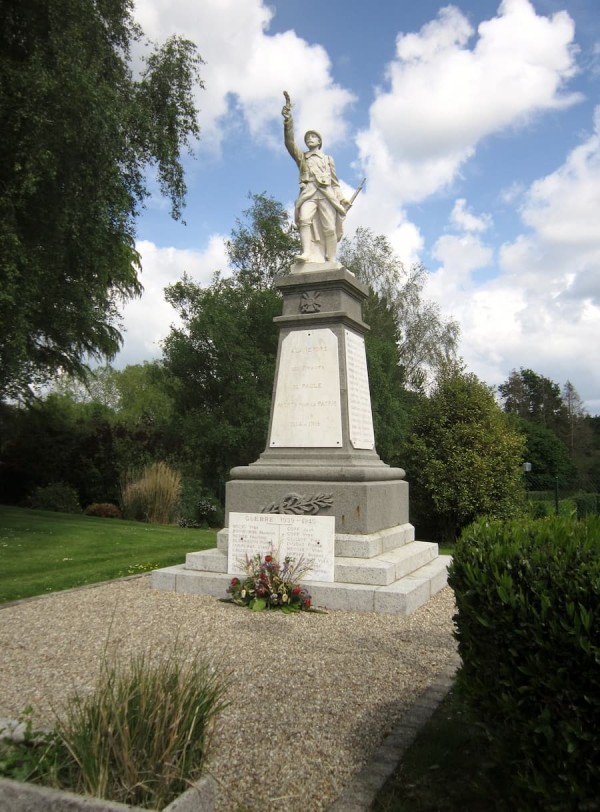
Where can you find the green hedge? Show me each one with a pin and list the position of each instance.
(528, 631)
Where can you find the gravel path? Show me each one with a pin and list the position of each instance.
(312, 696)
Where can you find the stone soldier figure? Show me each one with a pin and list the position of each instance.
(320, 207)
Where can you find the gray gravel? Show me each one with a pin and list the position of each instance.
(312, 696)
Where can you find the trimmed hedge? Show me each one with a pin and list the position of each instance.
(528, 631)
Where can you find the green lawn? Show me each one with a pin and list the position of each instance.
(44, 552)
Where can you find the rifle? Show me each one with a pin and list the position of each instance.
(356, 193)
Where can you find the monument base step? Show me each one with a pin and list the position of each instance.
(401, 597)
(382, 569)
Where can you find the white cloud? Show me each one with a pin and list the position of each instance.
(465, 220)
(149, 318)
(543, 309)
(247, 69)
(449, 87)
(564, 207)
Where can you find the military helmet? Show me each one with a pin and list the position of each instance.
(313, 132)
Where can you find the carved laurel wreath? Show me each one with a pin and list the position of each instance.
(295, 503)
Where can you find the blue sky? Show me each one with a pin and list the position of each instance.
(477, 125)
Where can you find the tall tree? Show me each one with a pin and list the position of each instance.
(78, 132)
(549, 457)
(263, 244)
(426, 341)
(223, 360)
(577, 430)
(535, 398)
(464, 459)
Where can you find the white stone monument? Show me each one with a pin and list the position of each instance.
(320, 456)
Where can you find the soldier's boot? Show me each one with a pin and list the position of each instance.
(330, 247)
(305, 242)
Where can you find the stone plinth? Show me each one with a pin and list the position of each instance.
(320, 455)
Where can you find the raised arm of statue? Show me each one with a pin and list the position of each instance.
(288, 130)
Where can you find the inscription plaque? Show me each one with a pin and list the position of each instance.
(360, 416)
(307, 403)
(309, 537)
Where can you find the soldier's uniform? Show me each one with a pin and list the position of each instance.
(319, 211)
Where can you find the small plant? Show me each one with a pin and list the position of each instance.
(104, 510)
(153, 496)
(140, 738)
(56, 496)
(271, 585)
(31, 755)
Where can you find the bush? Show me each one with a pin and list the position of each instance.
(197, 508)
(528, 631)
(56, 496)
(539, 509)
(154, 496)
(587, 504)
(140, 738)
(105, 510)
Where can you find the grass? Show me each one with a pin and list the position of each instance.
(140, 738)
(154, 496)
(447, 769)
(43, 552)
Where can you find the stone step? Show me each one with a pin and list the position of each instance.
(386, 568)
(378, 570)
(402, 597)
(213, 560)
(372, 544)
(355, 545)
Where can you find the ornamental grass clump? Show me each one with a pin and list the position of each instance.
(140, 738)
(153, 496)
(271, 585)
(143, 735)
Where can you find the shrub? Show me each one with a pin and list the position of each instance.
(140, 738)
(105, 510)
(197, 508)
(56, 496)
(587, 504)
(528, 631)
(540, 510)
(152, 497)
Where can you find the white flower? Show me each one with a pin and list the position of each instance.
(243, 593)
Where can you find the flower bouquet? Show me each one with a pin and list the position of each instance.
(269, 584)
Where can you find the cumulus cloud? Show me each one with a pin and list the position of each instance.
(247, 69)
(449, 87)
(542, 308)
(465, 220)
(149, 318)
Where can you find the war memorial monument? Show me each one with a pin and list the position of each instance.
(320, 489)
